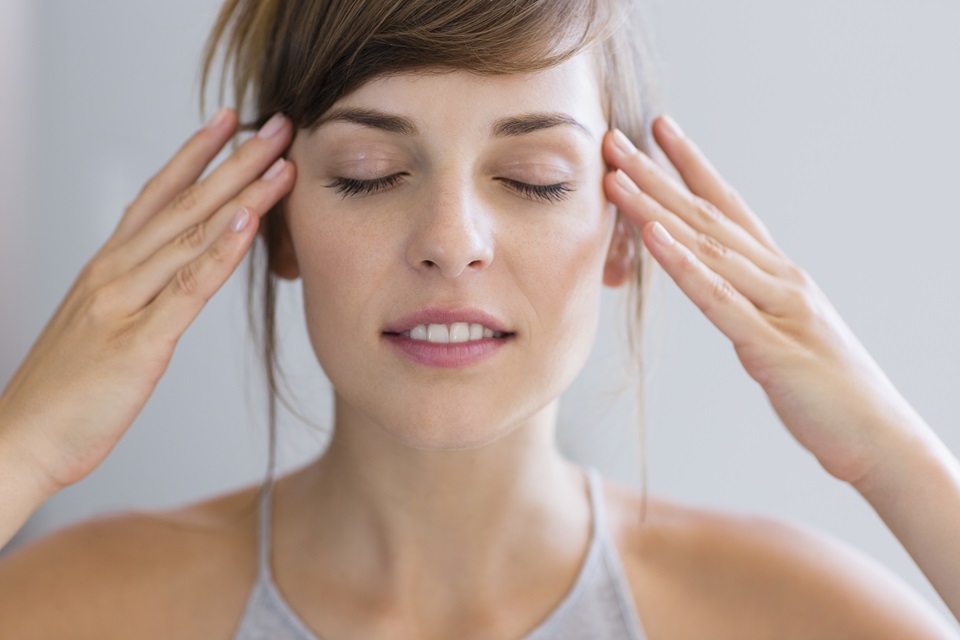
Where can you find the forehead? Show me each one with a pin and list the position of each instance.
(465, 101)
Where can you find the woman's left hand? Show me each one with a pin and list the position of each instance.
(822, 382)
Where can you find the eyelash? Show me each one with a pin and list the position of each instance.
(547, 193)
(353, 187)
(550, 193)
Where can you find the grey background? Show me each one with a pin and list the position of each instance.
(836, 120)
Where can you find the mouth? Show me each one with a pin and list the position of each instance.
(441, 325)
(449, 338)
(455, 333)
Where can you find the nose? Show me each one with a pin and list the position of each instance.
(452, 233)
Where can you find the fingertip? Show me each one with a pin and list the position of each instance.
(620, 189)
(244, 224)
(223, 119)
(623, 143)
(659, 234)
(665, 127)
(240, 220)
(291, 167)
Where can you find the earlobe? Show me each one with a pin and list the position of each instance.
(619, 264)
(283, 258)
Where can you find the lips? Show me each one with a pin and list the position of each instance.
(448, 338)
(436, 315)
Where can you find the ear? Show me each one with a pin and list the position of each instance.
(617, 269)
(283, 258)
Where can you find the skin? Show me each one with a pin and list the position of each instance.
(355, 532)
(411, 443)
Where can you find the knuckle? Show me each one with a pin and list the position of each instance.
(706, 211)
(804, 308)
(152, 187)
(689, 264)
(710, 247)
(101, 305)
(721, 291)
(193, 238)
(218, 252)
(797, 275)
(799, 301)
(187, 280)
(96, 271)
(187, 199)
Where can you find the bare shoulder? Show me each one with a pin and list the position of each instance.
(701, 573)
(137, 574)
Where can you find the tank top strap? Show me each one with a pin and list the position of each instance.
(263, 531)
(595, 484)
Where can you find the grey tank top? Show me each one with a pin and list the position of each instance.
(599, 606)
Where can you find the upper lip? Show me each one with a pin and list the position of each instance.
(436, 315)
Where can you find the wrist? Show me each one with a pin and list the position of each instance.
(908, 452)
(20, 462)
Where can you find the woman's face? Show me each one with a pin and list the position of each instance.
(450, 192)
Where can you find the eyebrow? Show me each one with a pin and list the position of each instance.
(531, 122)
(371, 118)
(508, 127)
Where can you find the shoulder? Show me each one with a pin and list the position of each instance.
(699, 572)
(138, 574)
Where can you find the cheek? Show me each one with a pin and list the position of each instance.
(333, 251)
(343, 263)
(562, 280)
(568, 252)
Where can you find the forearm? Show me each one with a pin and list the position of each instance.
(916, 491)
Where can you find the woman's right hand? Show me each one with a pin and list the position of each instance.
(102, 353)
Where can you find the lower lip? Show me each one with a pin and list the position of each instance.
(450, 356)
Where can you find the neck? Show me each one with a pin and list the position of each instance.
(410, 520)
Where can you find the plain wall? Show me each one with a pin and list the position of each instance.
(836, 121)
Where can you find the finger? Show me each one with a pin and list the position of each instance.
(765, 291)
(193, 284)
(138, 287)
(198, 201)
(698, 213)
(705, 181)
(180, 172)
(716, 297)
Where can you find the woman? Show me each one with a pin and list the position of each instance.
(470, 205)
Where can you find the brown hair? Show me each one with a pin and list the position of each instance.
(301, 56)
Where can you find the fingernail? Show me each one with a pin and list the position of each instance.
(272, 126)
(274, 169)
(672, 128)
(623, 142)
(240, 220)
(217, 119)
(661, 235)
(628, 185)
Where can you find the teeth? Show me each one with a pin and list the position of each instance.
(438, 333)
(456, 332)
(476, 331)
(459, 332)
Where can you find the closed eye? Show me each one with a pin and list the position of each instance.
(354, 187)
(549, 193)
